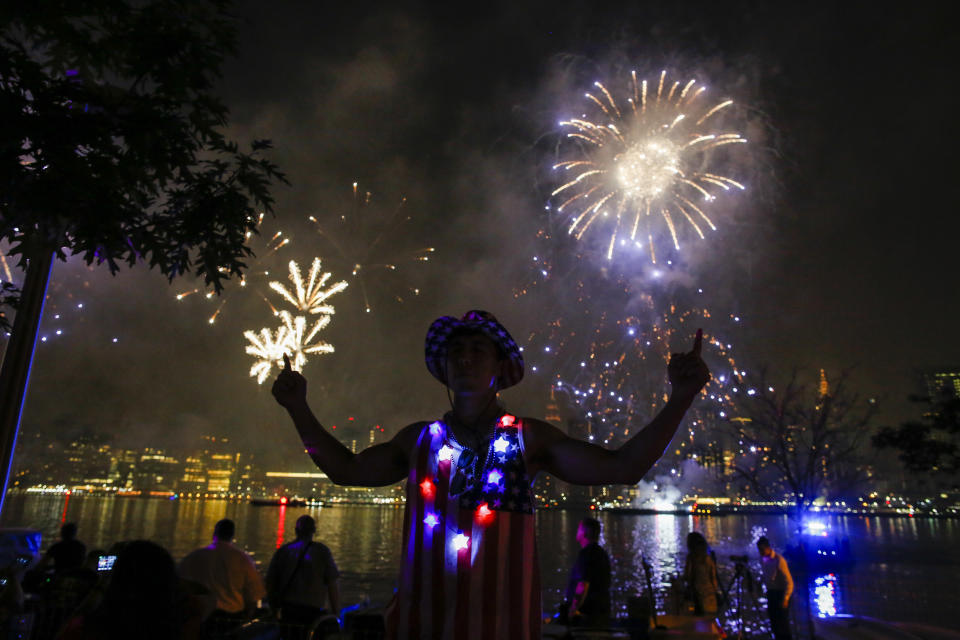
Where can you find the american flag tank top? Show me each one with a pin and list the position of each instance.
(469, 568)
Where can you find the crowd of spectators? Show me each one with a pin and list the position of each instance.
(136, 590)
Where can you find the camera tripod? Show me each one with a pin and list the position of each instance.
(744, 581)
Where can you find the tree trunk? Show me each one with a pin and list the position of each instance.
(18, 358)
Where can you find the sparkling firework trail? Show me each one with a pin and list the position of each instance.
(643, 159)
(69, 290)
(619, 385)
(613, 375)
(309, 297)
(368, 242)
(256, 273)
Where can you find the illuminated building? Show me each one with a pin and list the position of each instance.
(944, 382)
(194, 474)
(216, 469)
(156, 471)
(220, 470)
(88, 461)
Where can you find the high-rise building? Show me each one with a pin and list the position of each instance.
(215, 468)
(943, 382)
(123, 468)
(87, 461)
(194, 478)
(156, 471)
(220, 471)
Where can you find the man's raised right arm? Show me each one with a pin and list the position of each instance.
(377, 466)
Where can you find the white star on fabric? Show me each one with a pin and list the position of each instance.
(460, 541)
(445, 454)
(501, 445)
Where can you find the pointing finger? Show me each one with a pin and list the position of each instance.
(698, 342)
(286, 363)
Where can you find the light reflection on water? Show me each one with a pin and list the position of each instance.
(906, 567)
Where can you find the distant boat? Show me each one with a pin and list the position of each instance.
(278, 502)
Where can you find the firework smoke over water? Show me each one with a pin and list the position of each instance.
(642, 161)
(368, 240)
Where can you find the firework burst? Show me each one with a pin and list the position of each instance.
(293, 338)
(367, 240)
(301, 341)
(268, 348)
(309, 297)
(641, 159)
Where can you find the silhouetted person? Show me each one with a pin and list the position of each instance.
(302, 578)
(779, 584)
(700, 574)
(68, 553)
(469, 544)
(588, 590)
(226, 571)
(141, 600)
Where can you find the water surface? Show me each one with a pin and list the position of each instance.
(906, 570)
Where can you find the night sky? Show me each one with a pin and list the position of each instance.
(841, 253)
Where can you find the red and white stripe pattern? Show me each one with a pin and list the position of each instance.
(467, 573)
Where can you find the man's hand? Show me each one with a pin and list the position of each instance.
(687, 371)
(290, 388)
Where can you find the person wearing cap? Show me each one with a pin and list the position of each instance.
(469, 564)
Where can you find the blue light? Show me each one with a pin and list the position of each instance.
(816, 528)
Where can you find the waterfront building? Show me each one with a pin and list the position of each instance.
(943, 382)
(220, 470)
(194, 479)
(88, 460)
(156, 472)
(245, 476)
(123, 468)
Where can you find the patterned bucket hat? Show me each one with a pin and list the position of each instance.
(476, 320)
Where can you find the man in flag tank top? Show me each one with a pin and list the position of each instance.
(469, 566)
